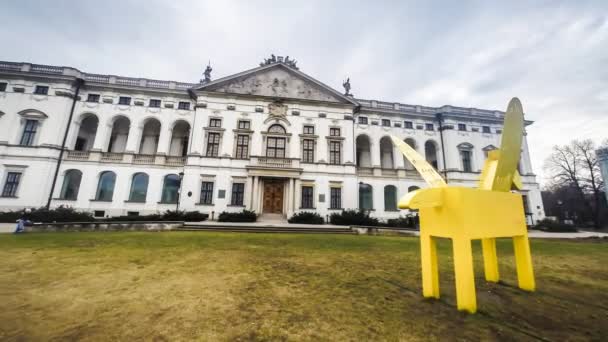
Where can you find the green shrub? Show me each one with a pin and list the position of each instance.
(306, 217)
(169, 215)
(61, 214)
(353, 218)
(408, 221)
(243, 216)
(555, 227)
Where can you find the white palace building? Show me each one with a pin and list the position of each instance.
(270, 139)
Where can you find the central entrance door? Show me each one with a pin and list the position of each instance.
(273, 196)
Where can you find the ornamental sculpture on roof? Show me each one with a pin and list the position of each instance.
(207, 73)
(280, 59)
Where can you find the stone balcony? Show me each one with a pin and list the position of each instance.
(125, 158)
(279, 167)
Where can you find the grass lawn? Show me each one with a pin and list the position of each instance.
(227, 286)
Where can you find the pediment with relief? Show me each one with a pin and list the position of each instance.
(276, 81)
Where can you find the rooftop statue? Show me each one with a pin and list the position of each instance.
(464, 214)
(207, 73)
(280, 59)
(346, 85)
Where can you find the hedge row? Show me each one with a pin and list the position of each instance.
(243, 216)
(62, 214)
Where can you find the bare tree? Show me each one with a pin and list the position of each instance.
(576, 165)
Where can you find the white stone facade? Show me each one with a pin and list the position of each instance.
(293, 142)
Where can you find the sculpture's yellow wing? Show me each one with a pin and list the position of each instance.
(510, 148)
(428, 172)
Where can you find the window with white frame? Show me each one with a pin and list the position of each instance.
(334, 132)
(93, 98)
(386, 122)
(242, 146)
(41, 90)
(308, 129)
(213, 144)
(363, 120)
(238, 194)
(462, 127)
(244, 124)
(29, 132)
(308, 150)
(11, 184)
(215, 122)
(466, 153)
(307, 197)
(183, 105)
(408, 124)
(206, 192)
(124, 100)
(335, 152)
(335, 197)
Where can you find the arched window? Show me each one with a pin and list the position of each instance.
(71, 184)
(466, 156)
(105, 187)
(119, 135)
(487, 150)
(150, 136)
(179, 139)
(139, 188)
(390, 198)
(364, 158)
(412, 143)
(86, 133)
(412, 188)
(170, 189)
(430, 153)
(386, 153)
(366, 201)
(276, 129)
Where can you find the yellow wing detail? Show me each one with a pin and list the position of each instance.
(428, 172)
(510, 147)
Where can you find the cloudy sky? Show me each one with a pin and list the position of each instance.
(553, 55)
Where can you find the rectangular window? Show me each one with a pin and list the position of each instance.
(308, 151)
(307, 197)
(183, 105)
(124, 100)
(309, 129)
(430, 127)
(215, 123)
(485, 129)
(408, 124)
(207, 193)
(213, 144)
(93, 98)
(466, 161)
(238, 191)
(3, 86)
(363, 120)
(11, 185)
(154, 103)
(242, 146)
(41, 90)
(244, 124)
(275, 147)
(462, 127)
(29, 133)
(335, 152)
(99, 213)
(334, 132)
(386, 122)
(335, 198)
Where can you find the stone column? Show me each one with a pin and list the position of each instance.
(135, 132)
(163, 141)
(102, 137)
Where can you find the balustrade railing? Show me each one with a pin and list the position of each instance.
(143, 159)
(77, 155)
(175, 160)
(111, 157)
(365, 171)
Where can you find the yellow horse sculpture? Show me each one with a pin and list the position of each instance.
(464, 214)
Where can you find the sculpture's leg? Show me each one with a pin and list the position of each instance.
(430, 273)
(523, 261)
(490, 261)
(465, 276)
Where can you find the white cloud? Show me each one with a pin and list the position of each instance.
(551, 54)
